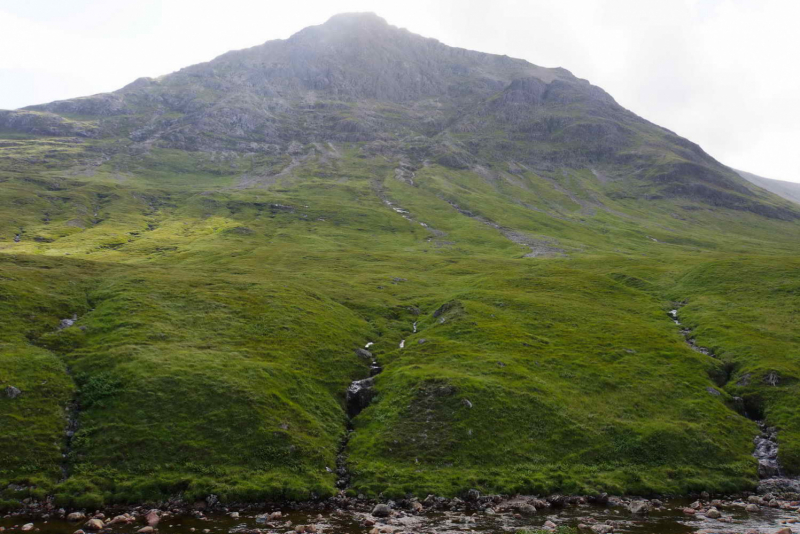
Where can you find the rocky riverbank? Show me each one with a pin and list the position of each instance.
(588, 514)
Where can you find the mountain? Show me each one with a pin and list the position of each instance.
(787, 190)
(361, 260)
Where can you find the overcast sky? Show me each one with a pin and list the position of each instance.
(723, 73)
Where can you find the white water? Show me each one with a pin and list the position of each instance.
(402, 343)
(368, 345)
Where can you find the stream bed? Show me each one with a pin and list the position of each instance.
(669, 518)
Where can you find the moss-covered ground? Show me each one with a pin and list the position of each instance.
(219, 304)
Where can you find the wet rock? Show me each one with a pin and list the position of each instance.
(549, 525)
(525, 509)
(79, 531)
(94, 524)
(601, 499)
(716, 503)
(382, 510)
(713, 513)
(76, 516)
(556, 501)
(689, 511)
(359, 395)
(639, 508)
(417, 507)
(656, 503)
(12, 392)
(602, 529)
(697, 505)
(261, 519)
(152, 518)
(473, 495)
(784, 530)
(752, 508)
(146, 530)
(234, 515)
(27, 526)
(275, 515)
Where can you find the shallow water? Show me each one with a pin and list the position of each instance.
(667, 520)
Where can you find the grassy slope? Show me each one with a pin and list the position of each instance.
(217, 329)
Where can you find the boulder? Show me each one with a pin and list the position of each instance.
(473, 495)
(275, 515)
(27, 526)
(76, 516)
(382, 510)
(12, 392)
(525, 509)
(94, 524)
(146, 530)
(689, 511)
(639, 507)
(549, 525)
(152, 518)
(364, 353)
(752, 508)
(713, 513)
(234, 515)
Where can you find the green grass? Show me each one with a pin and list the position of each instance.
(218, 326)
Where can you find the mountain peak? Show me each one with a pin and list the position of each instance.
(362, 18)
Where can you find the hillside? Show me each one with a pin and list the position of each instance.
(787, 190)
(193, 266)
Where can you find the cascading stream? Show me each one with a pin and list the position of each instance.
(766, 443)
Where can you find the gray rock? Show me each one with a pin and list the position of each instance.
(473, 495)
(639, 508)
(525, 509)
(12, 392)
(382, 510)
(364, 353)
(713, 391)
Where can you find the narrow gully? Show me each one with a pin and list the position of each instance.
(359, 394)
(765, 443)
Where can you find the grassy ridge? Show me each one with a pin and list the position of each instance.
(220, 304)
